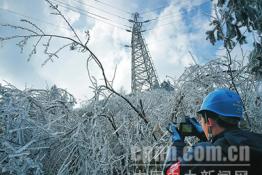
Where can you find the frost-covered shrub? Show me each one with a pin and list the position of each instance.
(42, 133)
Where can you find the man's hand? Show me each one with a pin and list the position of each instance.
(198, 128)
(175, 134)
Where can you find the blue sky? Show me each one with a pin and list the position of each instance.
(180, 27)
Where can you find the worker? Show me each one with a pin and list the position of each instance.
(228, 150)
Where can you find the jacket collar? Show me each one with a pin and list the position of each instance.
(220, 135)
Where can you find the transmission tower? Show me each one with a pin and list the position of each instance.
(144, 76)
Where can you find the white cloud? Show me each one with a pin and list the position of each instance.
(5, 5)
(108, 45)
(72, 16)
(168, 45)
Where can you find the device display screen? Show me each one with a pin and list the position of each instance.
(186, 128)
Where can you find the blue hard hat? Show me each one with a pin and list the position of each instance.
(224, 102)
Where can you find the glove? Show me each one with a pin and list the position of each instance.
(198, 128)
(195, 123)
(175, 134)
(175, 151)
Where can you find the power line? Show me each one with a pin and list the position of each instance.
(155, 9)
(91, 15)
(97, 17)
(88, 14)
(161, 25)
(70, 7)
(33, 18)
(174, 14)
(110, 13)
(161, 7)
(52, 24)
(110, 5)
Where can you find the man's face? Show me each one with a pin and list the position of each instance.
(203, 124)
(215, 129)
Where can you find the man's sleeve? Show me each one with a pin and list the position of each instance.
(172, 162)
(173, 169)
(178, 163)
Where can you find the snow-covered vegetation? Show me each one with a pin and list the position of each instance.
(42, 132)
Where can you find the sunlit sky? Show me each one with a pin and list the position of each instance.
(178, 28)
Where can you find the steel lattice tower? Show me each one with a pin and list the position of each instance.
(144, 76)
